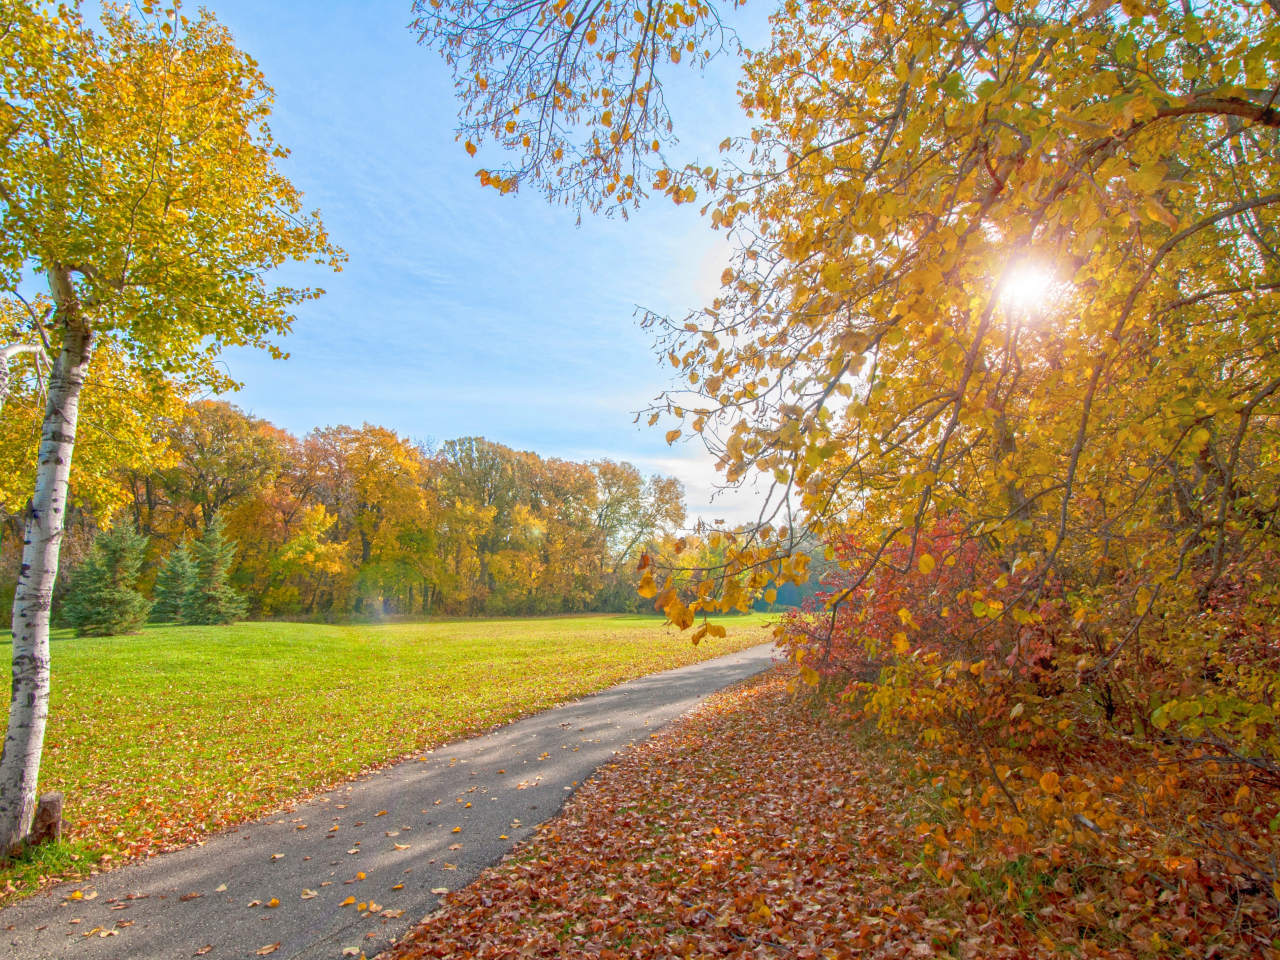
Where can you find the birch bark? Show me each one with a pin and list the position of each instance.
(7, 354)
(29, 704)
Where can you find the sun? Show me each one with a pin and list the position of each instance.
(1026, 285)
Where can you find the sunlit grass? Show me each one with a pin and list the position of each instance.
(158, 738)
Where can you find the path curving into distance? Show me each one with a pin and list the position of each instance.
(397, 826)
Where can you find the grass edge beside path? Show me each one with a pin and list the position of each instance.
(759, 826)
(163, 739)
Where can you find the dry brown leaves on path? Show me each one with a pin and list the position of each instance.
(758, 827)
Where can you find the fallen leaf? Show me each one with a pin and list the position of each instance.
(353, 852)
(359, 876)
(190, 896)
(374, 907)
(308, 894)
(398, 886)
(504, 837)
(221, 889)
(351, 951)
(109, 933)
(391, 914)
(361, 906)
(276, 856)
(401, 846)
(450, 866)
(273, 903)
(456, 846)
(347, 902)
(254, 903)
(75, 895)
(457, 829)
(439, 891)
(91, 895)
(203, 950)
(393, 833)
(381, 813)
(269, 948)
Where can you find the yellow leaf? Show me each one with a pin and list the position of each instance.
(927, 564)
(269, 948)
(361, 906)
(273, 903)
(678, 614)
(398, 886)
(1049, 783)
(347, 902)
(457, 829)
(360, 876)
(673, 436)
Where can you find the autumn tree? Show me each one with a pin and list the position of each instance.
(1005, 296)
(220, 457)
(632, 509)
(139, 178)
(120, 409)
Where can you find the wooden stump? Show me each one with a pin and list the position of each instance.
(47, 825)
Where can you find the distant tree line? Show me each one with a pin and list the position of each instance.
(362, 521)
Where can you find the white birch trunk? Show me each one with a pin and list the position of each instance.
(29, 706)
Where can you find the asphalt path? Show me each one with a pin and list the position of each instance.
(389, 842)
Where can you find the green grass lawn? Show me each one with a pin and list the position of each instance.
(158, 738)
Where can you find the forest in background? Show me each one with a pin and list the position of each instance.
(351, 521)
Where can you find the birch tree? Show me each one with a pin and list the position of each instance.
(138, 179)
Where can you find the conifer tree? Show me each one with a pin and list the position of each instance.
(211, 599)
(175, 580)
(103, 599)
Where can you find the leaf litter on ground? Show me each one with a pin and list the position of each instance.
(758, 826)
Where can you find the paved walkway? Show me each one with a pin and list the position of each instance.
(391, 841)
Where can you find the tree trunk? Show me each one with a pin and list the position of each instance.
(29, 707)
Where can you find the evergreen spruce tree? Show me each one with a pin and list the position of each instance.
(103, 598)
(174, 581)
(211, 599)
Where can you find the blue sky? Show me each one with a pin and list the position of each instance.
(462, 312)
